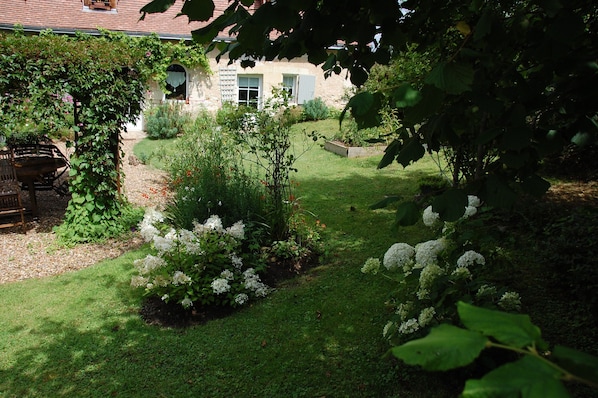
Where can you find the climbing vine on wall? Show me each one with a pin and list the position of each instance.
(102, 81)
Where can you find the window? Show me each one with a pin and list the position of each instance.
(289, 84)
(249, 89)
(176, 82)
(107, 5)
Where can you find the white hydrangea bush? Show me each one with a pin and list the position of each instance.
(433, 276)
(202, 266)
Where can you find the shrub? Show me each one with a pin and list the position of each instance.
(208, 178)
(315, 109)
(166, 120)
(197, 267)
(433, 276)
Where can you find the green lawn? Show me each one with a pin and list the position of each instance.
(79, 334)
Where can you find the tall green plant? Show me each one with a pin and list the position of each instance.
(265, 135)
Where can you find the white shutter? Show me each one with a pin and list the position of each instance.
(306, 88)
(228, 84)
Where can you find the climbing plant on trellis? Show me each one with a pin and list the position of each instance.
(102, 81)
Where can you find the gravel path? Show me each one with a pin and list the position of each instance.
(34, 254)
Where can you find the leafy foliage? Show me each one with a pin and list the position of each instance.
(95, 84)
(534, 374)
(509, 81)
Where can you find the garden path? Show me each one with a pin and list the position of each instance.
(34, 254)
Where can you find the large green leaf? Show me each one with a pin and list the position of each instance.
(431, 100)
(364, 108)
(405, 95)
(498, 193)
(390, 153)
(156, 6)
(446, 347)
(450, 204)
(529, 377)
(535, 185)
(454, 78)
(576, 362)
(408, 213)
(511, 329)
(411, 152)
(198, 10)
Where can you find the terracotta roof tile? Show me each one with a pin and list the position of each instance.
(70, 15)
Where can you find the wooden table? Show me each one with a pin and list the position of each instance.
(31, 169)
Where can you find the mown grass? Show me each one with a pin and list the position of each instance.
(80, 334)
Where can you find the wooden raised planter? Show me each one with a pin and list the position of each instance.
(353, 151)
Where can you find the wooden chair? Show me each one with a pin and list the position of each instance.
(10, 192)
(51, 180)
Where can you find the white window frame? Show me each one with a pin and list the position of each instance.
(249, 88)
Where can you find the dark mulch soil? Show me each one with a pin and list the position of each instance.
(156, 312)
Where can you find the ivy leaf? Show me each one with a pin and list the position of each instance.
(528, 377)
(446, 347)
(511, 329)
(155, 6)
(408, 213)
(201, 10)
(577, 362)
(454, 78)
(450, 204)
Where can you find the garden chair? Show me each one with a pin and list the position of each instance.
(10, 193)
(48, 181)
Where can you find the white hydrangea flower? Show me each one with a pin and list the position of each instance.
(237, 230)
(138, 281)
(189, 241)
(461, 273)
(510, 301)
(220, 285)
(473, 201)
(236, 261)
(486, 290)
(469, 212)
(409, 326)
(148, 264)
(227, 274)
(470, 258)
(179, 278)
(214, 223)
(426, 316)
(399, 255)
(404, 309)
(148, 231)
(429, 275)
(422, 294)
(186, 303)
(253, 283)
(427, 252)
(161, 280)
(166, 243)
(371, 266)
(430, 217)
(241, 298)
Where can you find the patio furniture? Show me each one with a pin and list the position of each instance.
(10, 192)
(52, 170)
(39, 167)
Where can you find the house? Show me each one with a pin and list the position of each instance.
(194, 88)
